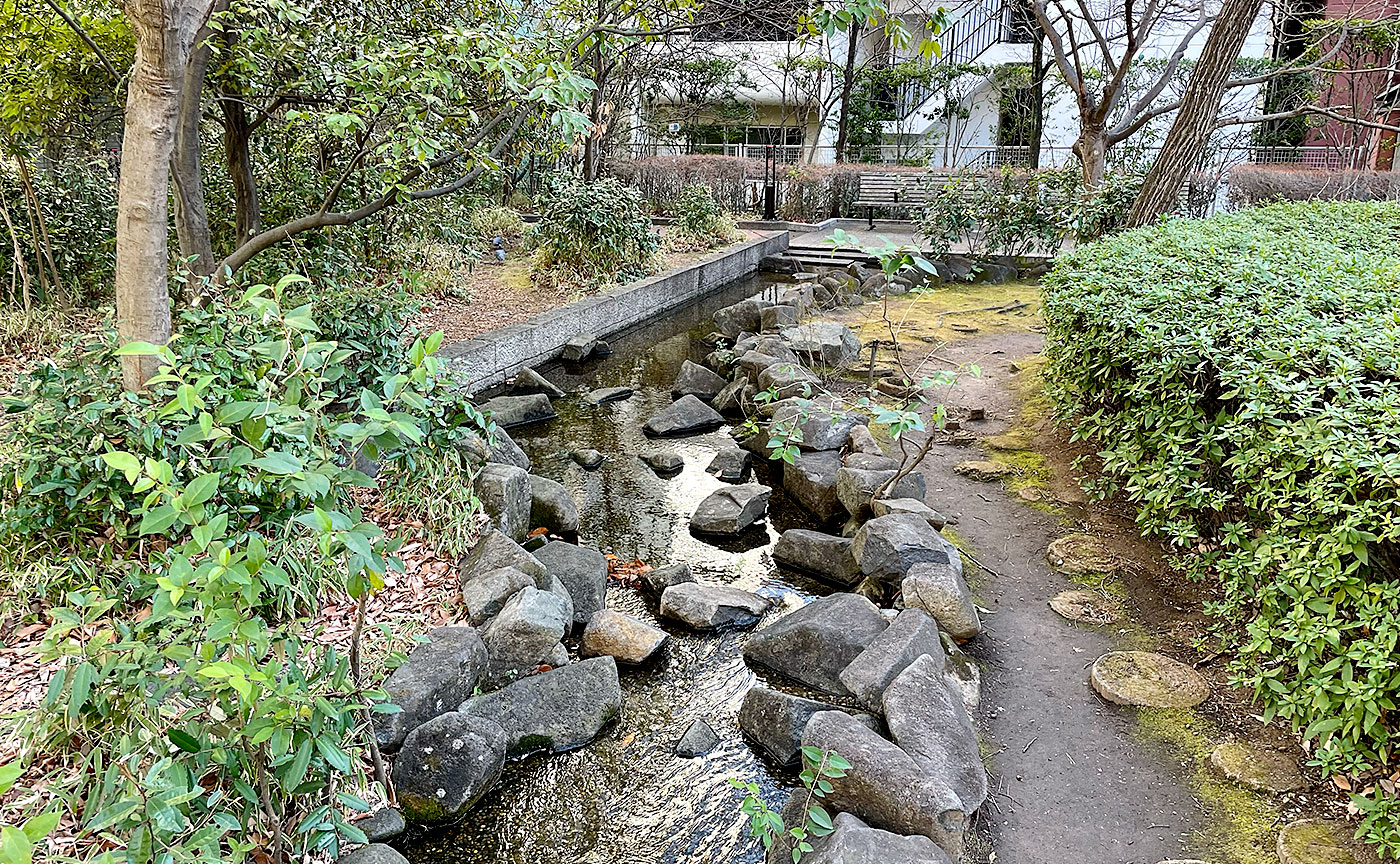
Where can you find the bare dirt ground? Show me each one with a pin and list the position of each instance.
(1075, 778)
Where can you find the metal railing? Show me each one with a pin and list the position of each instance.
(968, 38)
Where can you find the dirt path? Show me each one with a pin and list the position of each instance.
(1073, 781)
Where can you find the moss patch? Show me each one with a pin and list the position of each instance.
(930, 314)
(1240, 824)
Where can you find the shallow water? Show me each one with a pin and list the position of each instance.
(625, 798)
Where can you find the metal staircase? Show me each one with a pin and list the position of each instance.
(991, 22)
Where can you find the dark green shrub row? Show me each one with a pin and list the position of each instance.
(1240, 379)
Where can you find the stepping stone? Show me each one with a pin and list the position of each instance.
(775, 720)
(609, 394)
(530, 381)
(1256, 768)
(623, 638)
(825, 556)
(729, 511)
(1148, 680)
(710, 607)
(661, 578)
(813, 644)
(667, 463)
(984, 471)
(510, 411)
(731, 464)
(1077, 555)
(446, 765)
(686, 416)
(1086, 607)
(696, 380)
(1315, 841)
(588, 459)
(698, 740)
(554, 711)
(580, 347)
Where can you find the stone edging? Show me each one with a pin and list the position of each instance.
(489, 359)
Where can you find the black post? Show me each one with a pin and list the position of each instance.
(770, 184)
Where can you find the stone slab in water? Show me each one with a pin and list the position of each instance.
(696, 380)
(731, 465)
(1086, 607)
(588, 459)
(699, 738)
(825, 556)
(580, 347)
(386, 823)
(609, 394)
(510, 411)
(1315, 841)
(621, 637)
(661, 578)
(814, 643)
(1148, 680)
(775, 720)
(1256, 768)
(667, 463)
(446, 765)
(530, 381)
(553, 711)
(731, 510)
(710, 607)
(686, 416)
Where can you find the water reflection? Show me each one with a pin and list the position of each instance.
(625, 797)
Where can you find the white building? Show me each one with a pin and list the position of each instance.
(977, 117)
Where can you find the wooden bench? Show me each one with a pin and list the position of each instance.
(890, 192)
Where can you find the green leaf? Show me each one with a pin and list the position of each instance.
(184, 741)
(15, 847)
(137, 349)
(83, 676)
(121, 461)
(38, 827)
(158, 520)
(295, 771)
(9, 773)
(278, 462)
(201, 489)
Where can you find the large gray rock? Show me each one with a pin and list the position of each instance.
(436, 676)
(885, 787)
(580, 347)
(530, 381)
(686, 416)
(910, 636)
(854, 842)
(731, 465)
(818, 429)
(554, 711)
(927, 719)
(825, 556)
(778, 317)
(667, 463)
(754, 362)
(485, 595)
(886, 547)
(886, 506)
(386, 823)
(863, 441)
(710, 607)
(603, 395)
(510, 411)
(374, 852)
(495, 550)
(736, 395)
(696, 380)
(787, 380)
(560, 590)
(811, 481)
(583, 571)
(814, 643)
(446, 765)
(939, 590)
(523, 634)
(699, 738)
(746, 315)
(774, 720)
(552, 507)
(661, 578)
(856, 487)
(621, 637)
(505, 495)
(827, 342)
(501, 448)
(730, 510)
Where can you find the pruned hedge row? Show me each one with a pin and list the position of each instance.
(1239, 377)
(1265, 184)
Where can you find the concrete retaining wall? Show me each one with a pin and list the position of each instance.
(491, 358)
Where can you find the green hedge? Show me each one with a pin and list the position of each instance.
(1240, 379)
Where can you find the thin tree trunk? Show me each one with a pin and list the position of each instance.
(1200, 108)
(165, 32)
(191, 215)
(848, 80)
(43, 245)
(19, 254)
(1092, 149)
(1038, 71)
(238, 134)
(595, 105)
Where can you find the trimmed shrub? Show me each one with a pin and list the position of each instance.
(700, 223)
(592, 234)
(1239, 377)
(1260, 184)
(660, 180)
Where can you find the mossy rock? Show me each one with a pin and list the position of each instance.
(985, 471)
(1079, 555)
(1148, 680)
(1314, 841)
(1256, 768)
(1086, 607)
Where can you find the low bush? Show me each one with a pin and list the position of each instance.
(592, 234)
(1259, 184)
(493, 221)
(700, 223)
(1239, 378)
(660, 180)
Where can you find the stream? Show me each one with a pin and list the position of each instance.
(625, 797)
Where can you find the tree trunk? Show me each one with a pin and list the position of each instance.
(848, 80)
(595, 105)
(1092, 149)
(191, 215)
(238, 136)
(1038, 72)
(1200, 108)
(165, 32)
